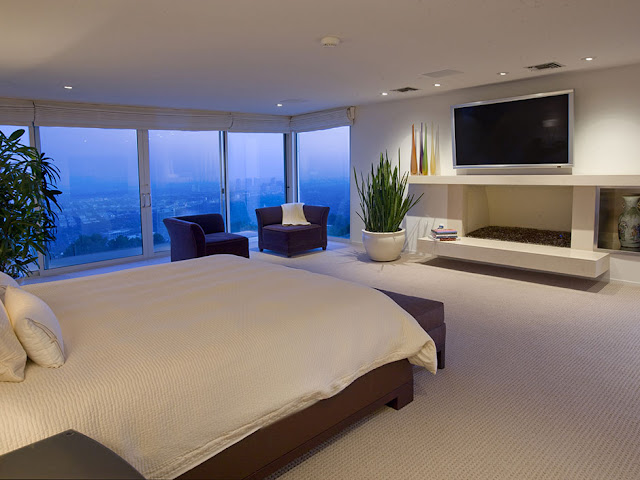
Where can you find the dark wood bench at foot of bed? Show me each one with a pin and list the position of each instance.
(429, 314)
(270, 448)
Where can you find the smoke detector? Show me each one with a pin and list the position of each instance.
(329, 41)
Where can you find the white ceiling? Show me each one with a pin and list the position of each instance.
(247, 55)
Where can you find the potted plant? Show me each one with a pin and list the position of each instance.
(384, 206)
(27, 204)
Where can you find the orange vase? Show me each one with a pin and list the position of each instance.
(414, 159)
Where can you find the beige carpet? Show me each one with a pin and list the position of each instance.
(542, 378)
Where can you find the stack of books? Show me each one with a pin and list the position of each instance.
(444, 234)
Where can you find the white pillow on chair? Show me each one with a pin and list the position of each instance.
(293, 214)
(36, 327)
(12, 356)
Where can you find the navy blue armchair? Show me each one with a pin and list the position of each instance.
(292, 239)
(200, 235)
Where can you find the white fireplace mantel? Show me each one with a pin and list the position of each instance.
(542, 180)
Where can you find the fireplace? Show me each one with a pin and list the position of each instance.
(540, 208)
(556, 203)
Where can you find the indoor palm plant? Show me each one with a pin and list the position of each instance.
(28, 204)
(384, 206)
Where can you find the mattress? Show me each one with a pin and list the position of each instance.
(169, 364)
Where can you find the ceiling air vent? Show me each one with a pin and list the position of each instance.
(442, 73)
(545, 66)
(405, 89)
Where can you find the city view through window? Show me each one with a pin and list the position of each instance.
(256, 178)
(100, 200)
(185, 177)
(323, 175)
(101, 217)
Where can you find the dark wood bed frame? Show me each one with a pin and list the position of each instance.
(270, 448)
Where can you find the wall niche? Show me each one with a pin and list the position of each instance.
(610, 207)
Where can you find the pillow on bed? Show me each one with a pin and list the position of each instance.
(6, 280)
(12, 356)
(293, 214)
(36, 327)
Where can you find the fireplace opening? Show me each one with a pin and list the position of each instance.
(536, 236)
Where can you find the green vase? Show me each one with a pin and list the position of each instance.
(629, 222)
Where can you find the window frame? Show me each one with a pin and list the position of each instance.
(291, 182)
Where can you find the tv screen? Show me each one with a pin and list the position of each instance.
(534, 130)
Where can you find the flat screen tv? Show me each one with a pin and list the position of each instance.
(528, 131)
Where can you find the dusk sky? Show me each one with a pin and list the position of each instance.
(110, 155)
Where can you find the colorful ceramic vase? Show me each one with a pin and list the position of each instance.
(425, 163)
(629, 222)
(421, 163)
(432, 167)
(414, 159)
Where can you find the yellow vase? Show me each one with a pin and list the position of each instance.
(432, 164)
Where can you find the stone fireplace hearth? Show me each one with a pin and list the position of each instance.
(535, 236)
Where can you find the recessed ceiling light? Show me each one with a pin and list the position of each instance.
(330, 41)
(278, 104)
(436, 84)
(68, 87)
(502, 74)
(588, 59)
(384, 94)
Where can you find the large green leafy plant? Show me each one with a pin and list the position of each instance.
(28, 205)
(382, 197)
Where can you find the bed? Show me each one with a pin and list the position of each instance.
(180, 368)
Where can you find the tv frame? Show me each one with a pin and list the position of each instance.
(570, 94)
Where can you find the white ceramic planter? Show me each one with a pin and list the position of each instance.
(385, 246)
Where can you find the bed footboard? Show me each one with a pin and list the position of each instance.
(272, 447)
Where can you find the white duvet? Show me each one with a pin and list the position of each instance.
(167, 365)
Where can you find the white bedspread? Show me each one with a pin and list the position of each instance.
(169, 364)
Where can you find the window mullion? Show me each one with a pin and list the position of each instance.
(291, 169)
(224, 187)
(146, 215)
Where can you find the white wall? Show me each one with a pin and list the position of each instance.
(606, 136)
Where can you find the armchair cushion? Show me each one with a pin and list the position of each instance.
(229, 243)
(293, 238)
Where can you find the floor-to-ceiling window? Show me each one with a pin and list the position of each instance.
(256, 177)
(323, 175)
(100, 200)
(185, 177)
(118, 184)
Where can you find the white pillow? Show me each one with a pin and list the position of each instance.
(12, 356)
(6, 280)
(293, 214)
(36, 327)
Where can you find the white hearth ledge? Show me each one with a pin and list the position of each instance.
(567, 261)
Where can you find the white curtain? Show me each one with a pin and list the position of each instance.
(246, 122)
(65, 114)
(336, 117)
(16, 112)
